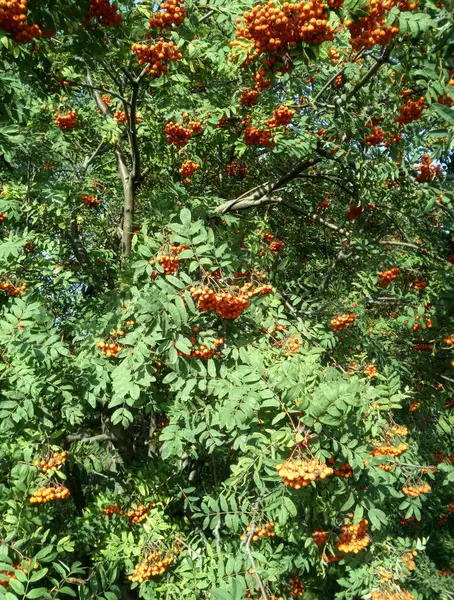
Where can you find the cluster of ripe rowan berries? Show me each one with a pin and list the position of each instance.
(444, 518)
(12, 290)
(178, 249)
(399, 430)
(67, 121)
(156, 55)
(154, 564)
(445, 572)
(177, 134)
(396, 594)
(90, 200)
(107, 14)
(168, 262)
(188, 168)
(202, 351)
(419, 284)
(12, 574)
(249, 97)
(139, 514)
(118, 332)
(416, 490)
(276, 246)
(343, 321)
(109, 349)
(388, 450)
(236, 169)
(273, 28)
(56, 460)
(411, 110)
(49, 494)
(296, 586)
(170, 13)
(282, 116)
(408, 559)
(323, 205)
(344, 470)
(427, 171)
(449, 340)
(333, 54)
(418, 326)
(253, 136)
(113, 509)
(289, 345)
(106, 99)
(320, 537)
(300, 472)
(370, 371)
(387, 276)
(393, 139)
(376, 137)
(229, 304)
(13, 19)
(371, 29)
(259, 532)
(2, 217)
(354, 212)
(354, 538)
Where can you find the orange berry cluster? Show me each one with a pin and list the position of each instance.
(188, 168)
(299, 473)
(333, 53)
(399, 594)
(449, 340)
(265, 531)
(371, 30)
(370, 371)
(290, 345)
(344, 470)
(109, 350)
(416, 490)
(386, 467)
(323, 205)
(113, 509)
(253, 136)
(388, 450)
(2, 217)
(235, 169)
(445, 572)
(419, 284)
(276, 246)
(13, 19)
(202, 351)
(249, 97)
(65, 122)
(277, 29)
(387, 276)
(106, 99)
(427, 171)
(90, 200)
(320, 537)
(157, 55)
(175, 250)
(354, 212)
(410, 111)
(154, 564)
(170, 13)
(343, 321)
(107, 14)
(296, 586)
(55, 461)
(168, 262)
(354, 538)
(177, 134)
(408, 559)
(43, 494)
(376, 137)
(418, 326)
(400, 430)
(11, 290)
(119, 333)
(282, 116)
(229, 304)
(139, 514)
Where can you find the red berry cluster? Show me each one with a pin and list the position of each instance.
(354, 538)
(177, 134)
(56, 460)
(109, 349)
(13, 19)
(323, 205)
(371, 29)
(344, 470)
(231, 303)
(376, 137)
(44, 494)
(154, 564)
(320, 538)
(170, 13)
(67, 121)
(427, 171)
(299, 473)
(106, 14)
(106, 99)
(393, 139)
(416, 490)
(411, 110)
(387, 276)
(343, 321)
(90, 200)
(12, 290)
(388, 450)
(272, 28)
(2, 217)
(157, 55)
(236, 169)
(282, 116)
(188, 168)
(249, 97)
(259, 532)
(253, 136)
(296, 586)
(354, 212)
(419, 284)
(289, 345)
(399, 594)
(449, 340)
(370, 371)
